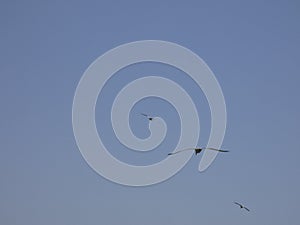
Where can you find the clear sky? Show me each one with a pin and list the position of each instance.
(251, 46)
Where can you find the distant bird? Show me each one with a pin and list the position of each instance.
(241, 206)
(148, 117)
(197, 150)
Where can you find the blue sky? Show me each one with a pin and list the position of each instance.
(253, 50)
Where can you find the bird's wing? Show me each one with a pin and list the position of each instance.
(219, 150)
(186, 149)
(144, 114)
(247, 209)
(238, 204)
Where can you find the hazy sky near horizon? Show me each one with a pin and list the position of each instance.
(251, 46)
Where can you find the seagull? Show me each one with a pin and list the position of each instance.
(148, 117)
(241, 206)
(197, 150)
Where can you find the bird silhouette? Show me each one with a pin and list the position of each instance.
(150, 118)
(197, 150)
(241, 206)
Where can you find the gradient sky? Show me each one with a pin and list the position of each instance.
(253, 49)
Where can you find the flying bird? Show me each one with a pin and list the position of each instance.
(150, 118)
(198, 150)
(241, 206)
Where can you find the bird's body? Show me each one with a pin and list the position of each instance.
(197, 150)
(242, 206)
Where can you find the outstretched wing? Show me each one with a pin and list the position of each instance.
(247, 209)
(144, 114)
(219, 150)
(183, 150)
(238, 204)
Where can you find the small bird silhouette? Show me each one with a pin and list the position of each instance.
(241, 206)
(150, 118)
(197, 150)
